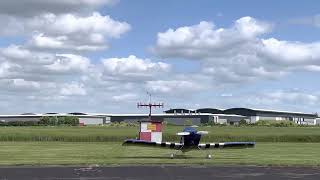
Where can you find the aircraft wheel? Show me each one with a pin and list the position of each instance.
(171, 156)
(209, 156)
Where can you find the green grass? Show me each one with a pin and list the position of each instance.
(112, 153)
(117, 134)
(102, 145)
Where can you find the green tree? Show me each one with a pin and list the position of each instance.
(243, 122)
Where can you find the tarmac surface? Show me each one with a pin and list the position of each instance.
(159, 172)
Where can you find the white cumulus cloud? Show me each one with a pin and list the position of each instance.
(73, 89)
(65, 31)
(125, 97)
(68, 63)
(238, 53)
(133, 67)
(172, 86)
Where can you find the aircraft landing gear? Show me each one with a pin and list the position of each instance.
(172, 155)
(209, 156)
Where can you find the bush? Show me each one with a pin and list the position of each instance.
(273, 123)
(48, 121)
(72, 120)
(209, 123)
(123, 124)
(19, 123)
(44, 120)
(243, 122)
(61, 120)
(188, 122)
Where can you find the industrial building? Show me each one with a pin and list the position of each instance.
(254, 115)
(85, 119)
(234, 115)
(180, 116)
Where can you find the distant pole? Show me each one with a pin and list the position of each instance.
(150, 105)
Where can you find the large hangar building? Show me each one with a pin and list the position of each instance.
(180, 116)
(84, 118)
(254, 115)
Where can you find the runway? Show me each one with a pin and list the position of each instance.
(159, 173)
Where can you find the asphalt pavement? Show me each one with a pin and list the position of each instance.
(159, 173)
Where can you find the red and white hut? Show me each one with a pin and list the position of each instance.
(150, 131)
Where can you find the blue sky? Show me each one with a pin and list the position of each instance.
(104, 55)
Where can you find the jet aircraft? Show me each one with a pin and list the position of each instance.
(190, 140)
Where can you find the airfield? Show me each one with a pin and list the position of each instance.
(96, 152)
(102, 145)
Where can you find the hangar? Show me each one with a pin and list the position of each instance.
(254, 115)
(229, 116)
(177, 117)
(181, 116)
(84, 118)
(213, 115)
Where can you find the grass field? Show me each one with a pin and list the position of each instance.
(102, 145)
(112, 153)
(117, 134)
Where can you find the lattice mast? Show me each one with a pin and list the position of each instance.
(150, 105)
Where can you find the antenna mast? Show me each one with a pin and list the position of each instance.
(150, 105)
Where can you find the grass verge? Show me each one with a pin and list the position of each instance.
(118, 134)
(112, 153)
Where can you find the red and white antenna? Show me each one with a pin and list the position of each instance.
(150, 105)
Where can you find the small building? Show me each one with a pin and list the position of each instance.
(150, 131)
(91, 119)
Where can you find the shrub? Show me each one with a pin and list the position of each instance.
(273, 123)
(123, 124)
(61, 120)
(209, 123)
(243, 122)
(188, 122)
(71, 120)
(19, 123)
(44, 120)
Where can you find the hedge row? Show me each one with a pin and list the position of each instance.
(265, 123)
(45, 121)
(61, 120)
(20, 123)
(173, 138)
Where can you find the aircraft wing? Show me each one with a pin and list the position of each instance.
(228, 145)
(135, 142)
(183, 133)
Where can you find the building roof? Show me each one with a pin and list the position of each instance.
(28, 114)
(78, 113)
(194, 114)
(210, 110)
(254, 112)
(179, 110)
